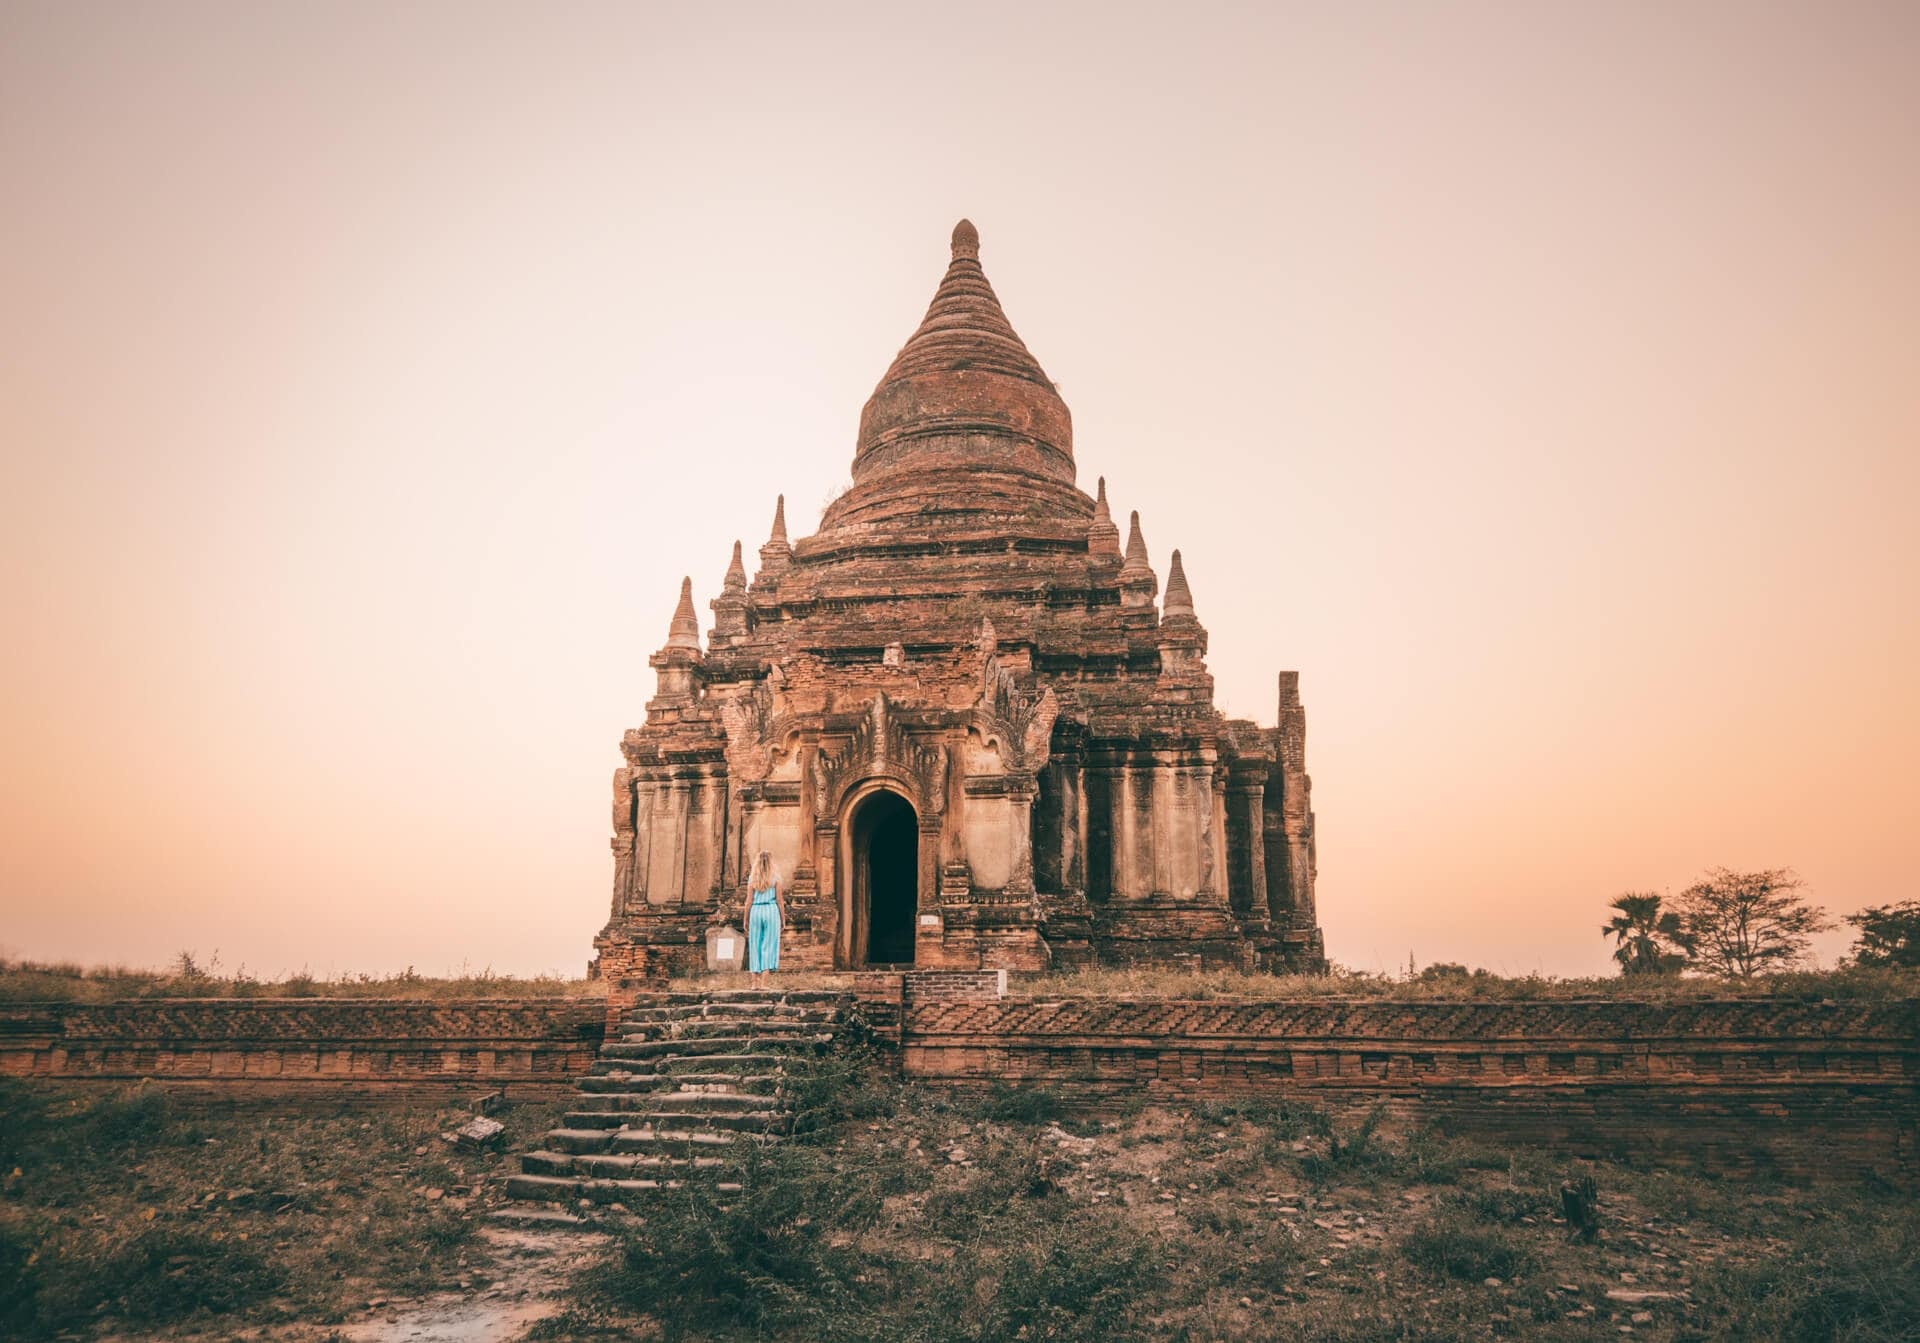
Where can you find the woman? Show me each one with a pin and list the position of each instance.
(764, 914)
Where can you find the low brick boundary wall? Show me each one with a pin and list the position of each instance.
(320, 1048)
(1799, 1087)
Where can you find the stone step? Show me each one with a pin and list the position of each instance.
(647, 1032)
(652, 1138)
(529, 1218)
(742, 1121)
(626, 1068)
(580, 1139)
(704, 1098)
(726, 1028)
(570, 1189)
(757, 1083)
(716, 1102)
(722, 1042)
(604, 1084)
(652, 1166)
(600, 1119)
(750, 996)
(644, 1077)
(622, 1166)
(649, 1053)
(737, 1011)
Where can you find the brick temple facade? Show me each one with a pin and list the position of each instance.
(966, 721)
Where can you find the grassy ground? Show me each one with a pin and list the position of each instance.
(127, 1216)
(32, 981)
(923, 1217)
(40, 981)
(908, 1215)
(1437, 983)
(1450, 983)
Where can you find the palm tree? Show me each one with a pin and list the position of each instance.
(1647, 940)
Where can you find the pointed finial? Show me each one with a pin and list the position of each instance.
(736, 579)
(776, 554)
(1179, 598)
(685, 630)
(1136, 544)
(1103, 538)
(966, 240)
(1137, 583)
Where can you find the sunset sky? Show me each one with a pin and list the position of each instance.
(1541, 380)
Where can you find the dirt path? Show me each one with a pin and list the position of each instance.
(532, 1266)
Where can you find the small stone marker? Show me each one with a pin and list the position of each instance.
(479, 1132)
(726, 948)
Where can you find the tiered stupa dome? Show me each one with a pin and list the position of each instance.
(965, 429)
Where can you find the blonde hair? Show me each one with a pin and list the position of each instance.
(764, 874)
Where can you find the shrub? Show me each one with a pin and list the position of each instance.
(765, 1259)
(1023, 1105)
(1448, 1247)
(1856, 1279)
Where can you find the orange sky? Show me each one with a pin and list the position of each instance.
(1542, 381)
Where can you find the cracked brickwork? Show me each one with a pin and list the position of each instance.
(1796, 1088)
(344, 1048)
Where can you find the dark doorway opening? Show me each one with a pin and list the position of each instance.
(886, 846)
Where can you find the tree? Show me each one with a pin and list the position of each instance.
(1741, 924)
(1889, 934)
(1647, 940)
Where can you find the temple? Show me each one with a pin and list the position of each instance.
(966, 721)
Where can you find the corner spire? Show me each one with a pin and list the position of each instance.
(1103, 538)
(1137, 583)
(777, 553)
(685, 630)
(1136, 547)
(1178, 603)
(730, 623)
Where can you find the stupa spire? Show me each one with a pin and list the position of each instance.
(1103, 538)
(730, 607)
(1136, 546)
(777, 553)
(1178, 603)
(1137, 583)
(685, 630)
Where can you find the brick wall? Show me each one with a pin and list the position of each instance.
(358, 1049)
(1799, 1087)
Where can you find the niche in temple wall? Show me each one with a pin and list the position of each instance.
(989, 841)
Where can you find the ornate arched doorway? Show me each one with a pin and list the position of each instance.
(883, 870)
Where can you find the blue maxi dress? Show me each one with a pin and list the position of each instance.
(763, 932)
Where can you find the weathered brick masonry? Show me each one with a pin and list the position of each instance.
(356, 1049)
(1804, 1088)
(962, 718)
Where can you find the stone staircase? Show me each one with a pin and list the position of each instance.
(680, 1089)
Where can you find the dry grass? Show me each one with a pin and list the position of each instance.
(37, 981)
(930, 1217)
(905, 1214)
(1452, 985)
(127, 1215)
